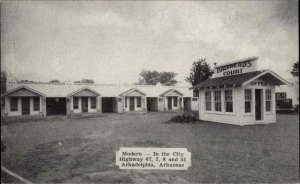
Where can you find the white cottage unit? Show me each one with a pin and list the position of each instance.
(239, 96)
(44, 99)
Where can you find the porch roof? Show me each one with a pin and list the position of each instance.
(242, 79)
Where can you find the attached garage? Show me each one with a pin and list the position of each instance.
(56, 106)
(152, 104)
(109, 104)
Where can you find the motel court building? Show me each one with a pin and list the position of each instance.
(239, 94)
(46, 99)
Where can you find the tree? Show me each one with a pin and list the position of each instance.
(3, 81)
(54, 81)
(87, 81)
(295, 70)
(148, 77)
(200, 71)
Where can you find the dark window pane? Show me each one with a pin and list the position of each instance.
(36, 103)
(268, 106)
(247, 106)
(229, 107)
(75, 102)
(93, 102)
(139, 102)
(13, 104)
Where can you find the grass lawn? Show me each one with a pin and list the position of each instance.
(65, 149)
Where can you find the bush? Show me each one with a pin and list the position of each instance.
(184, 119)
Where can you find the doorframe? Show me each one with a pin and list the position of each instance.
(87, 104)
(133, 100)
(29, 107)
(261, 104)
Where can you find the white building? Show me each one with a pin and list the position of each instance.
(238, 94)
(44, 99)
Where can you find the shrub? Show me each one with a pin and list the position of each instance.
(184, 119)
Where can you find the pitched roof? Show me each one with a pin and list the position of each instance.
(131, 90)
(242, 79)
(23, 87)
(169, 91)
(84, 88)
(63, 90)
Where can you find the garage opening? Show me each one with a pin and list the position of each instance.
(152, 104)
(187, 104)
(56, 106)
(109, 104)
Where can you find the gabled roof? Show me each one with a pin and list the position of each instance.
(131, 90)
(85, 88)
(23, 87)
(170, 91)
(242, 79)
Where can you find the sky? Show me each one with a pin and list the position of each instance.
(113, 41)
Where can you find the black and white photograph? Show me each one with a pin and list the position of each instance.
(149, 91)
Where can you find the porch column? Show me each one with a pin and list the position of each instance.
(99, 103)
(145, 104)
(68, 106)
(44, 106)
(6, 106)
(41, 106)
(123, 104)
(181, 98)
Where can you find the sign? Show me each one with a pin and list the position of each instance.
(153, 158)
(235, 68)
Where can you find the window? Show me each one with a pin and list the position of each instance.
(125, 102)
(160, 99)
(268, 100)
(280, 96)
(218, 102)
(248, 100)
(93, 102)
(194, 99)
(228, 101)
(139, 102)
(175, 101)
(208, 100)
(36, 103)
(75, 102)
(13, 104)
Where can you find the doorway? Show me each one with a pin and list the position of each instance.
(84, 104)
(169, 103)
(131, 103)
(187, 103)
(258, 109)
(25, 106)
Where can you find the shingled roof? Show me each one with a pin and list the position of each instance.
(237, 80)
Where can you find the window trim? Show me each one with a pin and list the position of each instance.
(225, 102)
(251, 101)
(17, 104)
(211, 108)
(39, 104)
(220, 101)
(75, 107)
(269, 100)
(139, 102)
(92, 105)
